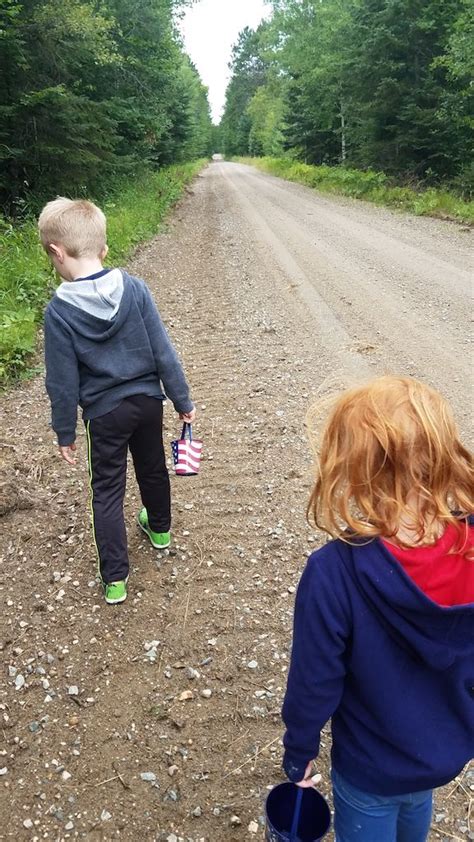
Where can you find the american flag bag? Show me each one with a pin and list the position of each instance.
(186, 453)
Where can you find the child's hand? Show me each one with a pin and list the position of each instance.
(67, 452)
(309, 779)
(188, 417)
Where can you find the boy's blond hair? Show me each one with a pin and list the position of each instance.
(385, 445)
(76, 224)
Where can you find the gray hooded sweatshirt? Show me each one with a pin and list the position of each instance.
(105, 341)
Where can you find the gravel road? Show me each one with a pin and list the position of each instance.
(391, 287)
(159, 719)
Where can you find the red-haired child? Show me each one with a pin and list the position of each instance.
(384, 618)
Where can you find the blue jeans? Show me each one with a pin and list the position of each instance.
(363, 817)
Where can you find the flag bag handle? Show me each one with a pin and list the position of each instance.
(187, 428)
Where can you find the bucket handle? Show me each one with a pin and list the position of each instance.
(296, 815)
(183, 432)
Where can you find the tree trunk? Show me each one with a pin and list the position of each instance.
(343, 134)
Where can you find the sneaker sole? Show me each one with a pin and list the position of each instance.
(156, 546)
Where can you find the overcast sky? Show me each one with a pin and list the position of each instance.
(210, 29)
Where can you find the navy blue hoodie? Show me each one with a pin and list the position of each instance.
(393, 671)
(98, 360)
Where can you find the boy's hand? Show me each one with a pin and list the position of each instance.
(188, 417)
(309, 779)
(67, 452)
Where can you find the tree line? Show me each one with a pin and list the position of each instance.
(90, 91)
(383, 84)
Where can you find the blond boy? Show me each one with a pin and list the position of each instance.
(107, 351)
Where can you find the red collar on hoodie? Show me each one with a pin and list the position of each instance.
(446, 578)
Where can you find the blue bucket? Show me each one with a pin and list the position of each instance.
(295, 814)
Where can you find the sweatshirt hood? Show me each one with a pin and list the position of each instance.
(433, 634)
(99, 295)
(95, 307)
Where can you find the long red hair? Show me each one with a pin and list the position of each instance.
(390, 452)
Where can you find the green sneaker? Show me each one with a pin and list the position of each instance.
(115, 592)
(159, 540)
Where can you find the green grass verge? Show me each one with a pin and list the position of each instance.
(368, 185)
(134, 212)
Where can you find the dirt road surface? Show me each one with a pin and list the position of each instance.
(273, 295)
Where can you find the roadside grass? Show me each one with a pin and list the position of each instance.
(134, 209)
(368, 185)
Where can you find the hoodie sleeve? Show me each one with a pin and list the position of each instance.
(62, 378)
(317, 669)
(170, 370)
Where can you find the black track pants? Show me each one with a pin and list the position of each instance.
(137, 423)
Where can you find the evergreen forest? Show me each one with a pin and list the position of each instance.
(385, 85)
(92, 91)
(98, 98)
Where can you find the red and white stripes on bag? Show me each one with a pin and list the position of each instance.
(186, 453)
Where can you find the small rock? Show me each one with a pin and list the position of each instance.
(235, 821)
(197, 812)
(186, 695)
(253, 827)
(105, 816)
(73, 690)
(150, 644)
(3, 771)
(34, 726)
(148, 776)
(192, 673)
(69, 826)
(65, 775)
(28, 824)
(206, 693)
(252, 665)
(172, 838)
(12, 671)
(19, 681)
(172, 770)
